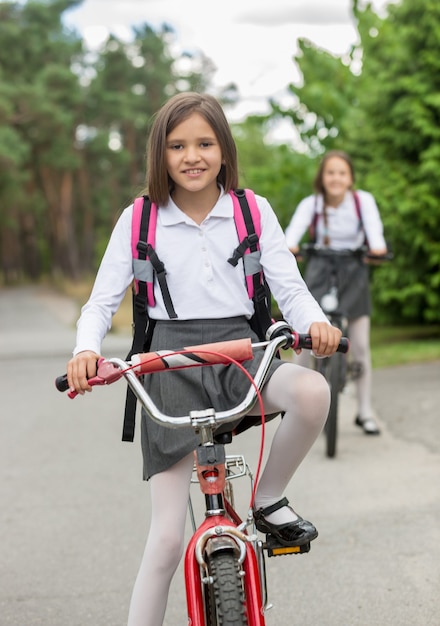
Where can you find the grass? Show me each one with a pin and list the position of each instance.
(390, 345)
(400, 345)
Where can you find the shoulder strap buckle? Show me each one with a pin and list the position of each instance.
(142, 247)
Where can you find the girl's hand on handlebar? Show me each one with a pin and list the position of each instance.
(297, 253)
(376, 256)
(325, 338)
(79, 369)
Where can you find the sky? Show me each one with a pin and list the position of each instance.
(251, 42)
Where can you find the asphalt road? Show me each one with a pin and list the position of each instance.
(74, 510)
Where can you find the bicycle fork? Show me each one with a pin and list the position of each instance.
(217, 534)
(224, 531)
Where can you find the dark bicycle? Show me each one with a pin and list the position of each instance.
(338, 369)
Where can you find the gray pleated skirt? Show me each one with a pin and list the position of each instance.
(352, 278)
(177, 393)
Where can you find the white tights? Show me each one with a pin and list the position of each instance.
(359, 333)
(304, 396)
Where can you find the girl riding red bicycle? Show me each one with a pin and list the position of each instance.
(191, 168)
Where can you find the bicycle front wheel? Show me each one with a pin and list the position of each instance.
(224, 598)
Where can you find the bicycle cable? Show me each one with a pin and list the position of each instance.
(244, 370)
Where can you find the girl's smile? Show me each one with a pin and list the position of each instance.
(194, 172)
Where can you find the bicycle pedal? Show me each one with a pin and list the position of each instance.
(275, 548)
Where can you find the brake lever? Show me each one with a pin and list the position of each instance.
(106, 374)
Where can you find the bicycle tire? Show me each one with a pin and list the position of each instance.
(332, 373)
(224, 596)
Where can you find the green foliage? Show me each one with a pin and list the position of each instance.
(401, 75)
(381, 104)
(324, 100)
(39, 101)
(73, 129)
(276, 172)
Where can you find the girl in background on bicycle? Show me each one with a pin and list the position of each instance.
(331, 212)
(191, 167)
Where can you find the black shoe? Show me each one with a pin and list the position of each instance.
(295, 533)
(367, 424)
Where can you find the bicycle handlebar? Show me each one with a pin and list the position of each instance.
(313, 249)
(280, 336)
(149, 362)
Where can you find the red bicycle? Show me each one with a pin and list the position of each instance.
(225, 573)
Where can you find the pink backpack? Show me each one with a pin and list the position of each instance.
(147, 266)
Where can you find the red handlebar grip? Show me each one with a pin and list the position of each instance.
(237, 349)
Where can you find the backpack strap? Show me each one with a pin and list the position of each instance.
(248, 223)
(142, 267)
(143, 237)
(357, 204)
(313, 223)
(146, 262)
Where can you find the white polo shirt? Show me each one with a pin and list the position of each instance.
(202, 284)
(343, 222)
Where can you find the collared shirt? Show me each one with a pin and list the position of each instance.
(202, 284)
(343, 223)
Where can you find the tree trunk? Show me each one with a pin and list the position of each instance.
(59, 199)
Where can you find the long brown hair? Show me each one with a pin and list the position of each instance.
(159, 185)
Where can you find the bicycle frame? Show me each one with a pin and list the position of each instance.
(223, 529)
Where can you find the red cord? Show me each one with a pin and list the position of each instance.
(259, 398)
